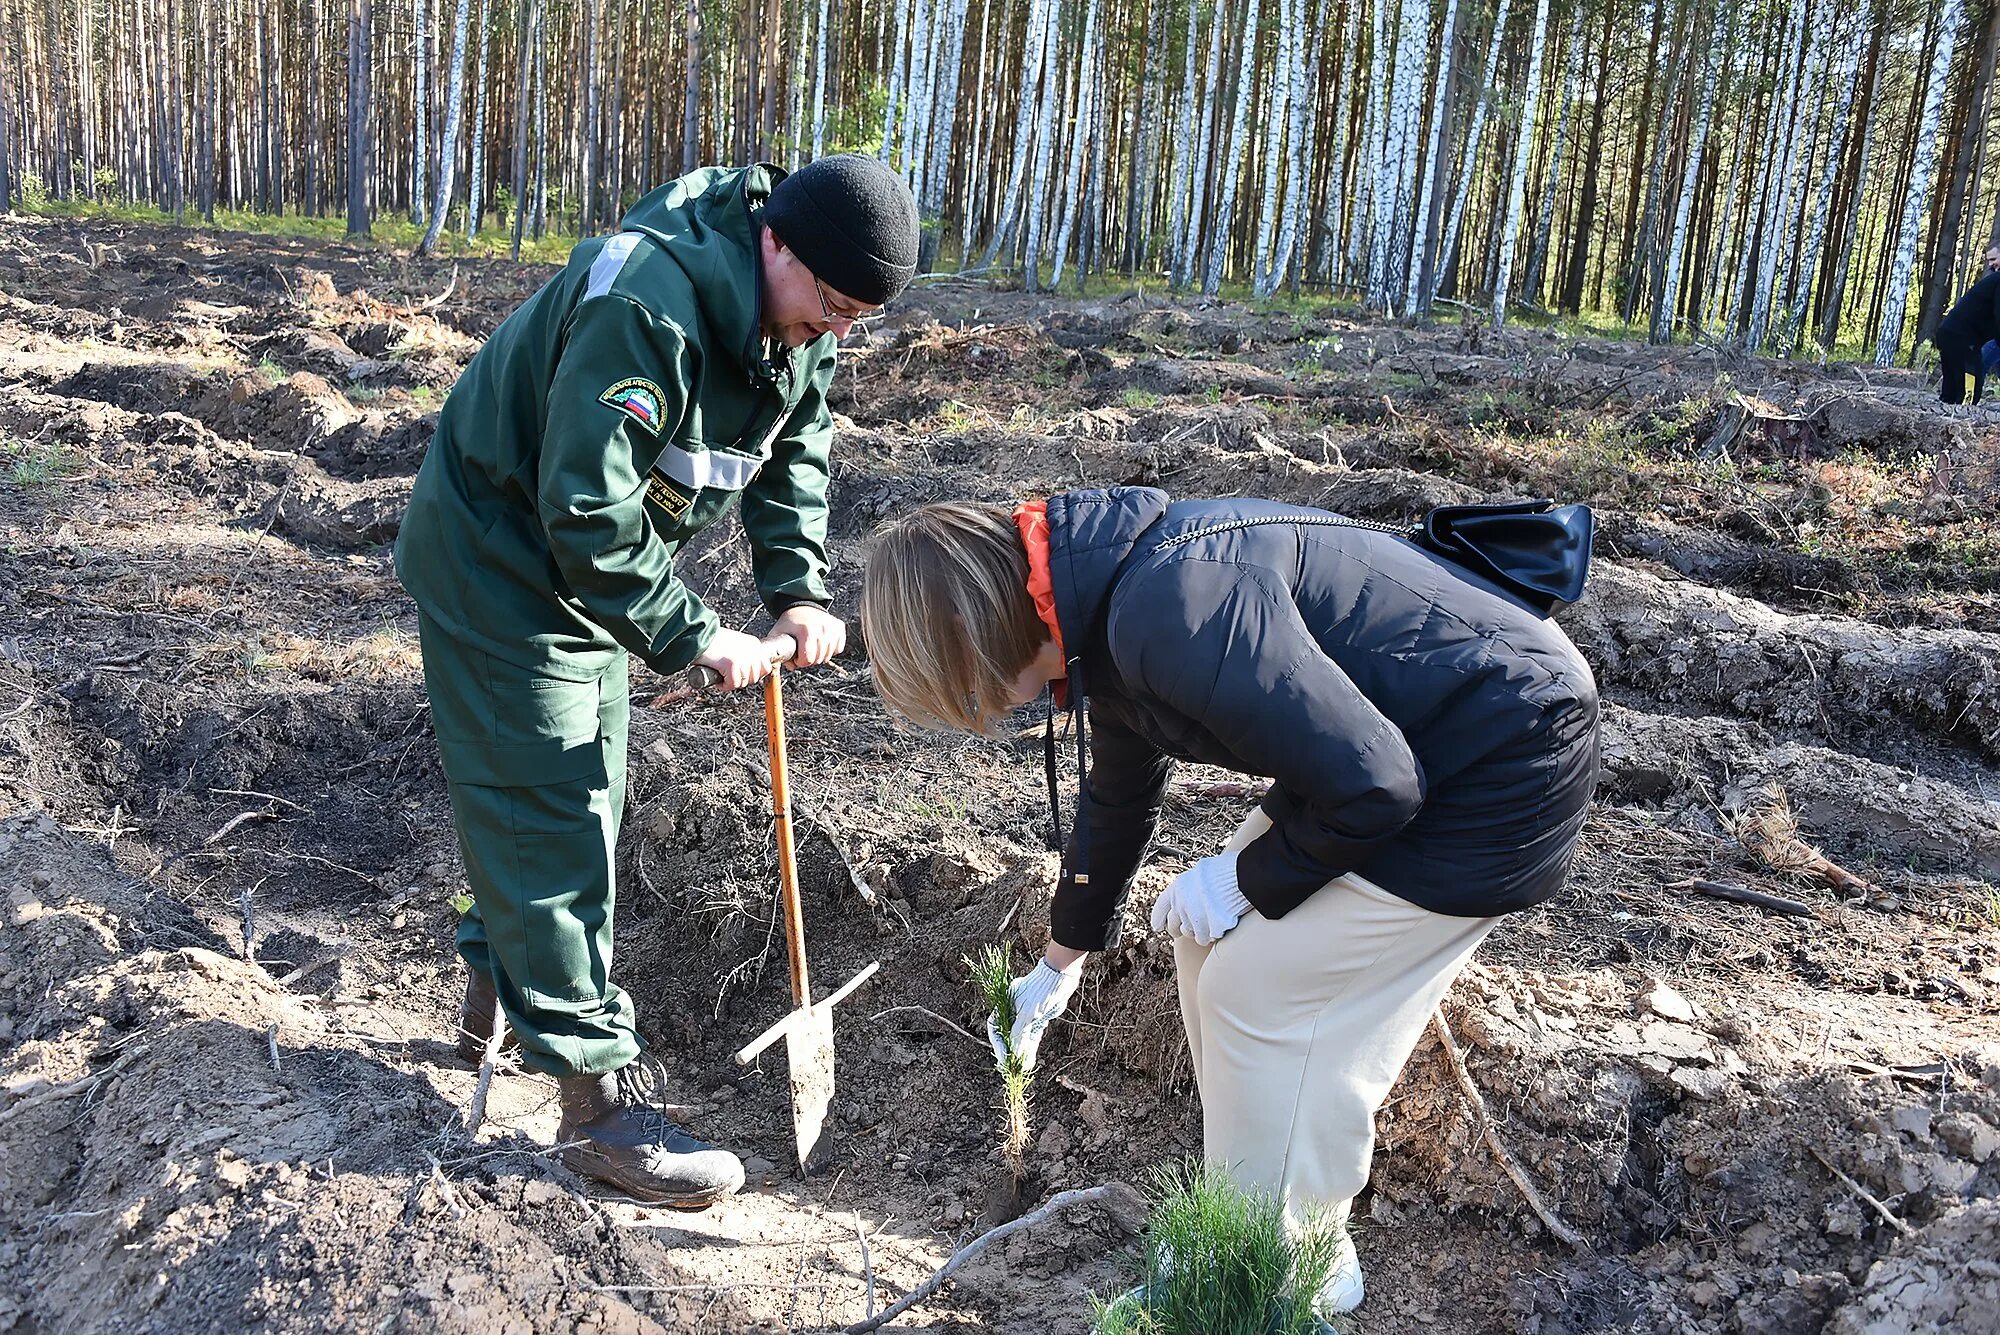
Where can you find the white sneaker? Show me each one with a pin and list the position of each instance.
(1343, 1290)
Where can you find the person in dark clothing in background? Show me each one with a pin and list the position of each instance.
(1433, 746)
(1963, 336)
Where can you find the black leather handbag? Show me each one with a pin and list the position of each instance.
(1536, 550)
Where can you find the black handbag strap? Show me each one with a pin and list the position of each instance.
(1537, 599)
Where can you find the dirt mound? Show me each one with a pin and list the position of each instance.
(229, 834)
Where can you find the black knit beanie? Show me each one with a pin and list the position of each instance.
(851, 221)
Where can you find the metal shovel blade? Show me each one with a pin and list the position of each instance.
(809, 1054)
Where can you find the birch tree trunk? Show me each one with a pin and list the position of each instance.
(1474, 137)
(1302, 139)
(1660, 328)
(1785, 168)
(1794, 326)
(1420, 258)
(1889, 336)
(892, 113)
(1045, 143)
(1517, 188)
(1088, 53)
(1263, 269)
(476, 184)
(454, 102)
(937, 172)
(1180, 178)
(1147, 100)
(1204, 145)
(1218, 252)
(1031, 73)
(420, 61)
(819, 83)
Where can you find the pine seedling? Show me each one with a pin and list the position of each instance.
(993, 975)
(1221, 1261)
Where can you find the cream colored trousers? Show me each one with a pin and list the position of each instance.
(1299, 1027)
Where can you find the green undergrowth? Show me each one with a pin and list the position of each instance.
(1220, 1261)
(392, 232)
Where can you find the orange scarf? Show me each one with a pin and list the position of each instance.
(1032, 519)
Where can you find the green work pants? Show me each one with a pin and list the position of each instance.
(535, 762)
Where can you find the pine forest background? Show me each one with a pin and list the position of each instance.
(1788, 175)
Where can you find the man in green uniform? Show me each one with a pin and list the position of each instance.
(669, 371)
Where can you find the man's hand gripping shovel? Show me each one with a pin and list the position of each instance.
(808, 1029)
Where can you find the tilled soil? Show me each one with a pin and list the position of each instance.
(227, 1091)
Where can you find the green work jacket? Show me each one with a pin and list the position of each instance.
(618, 412)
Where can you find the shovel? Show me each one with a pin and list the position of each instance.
(808, 1029)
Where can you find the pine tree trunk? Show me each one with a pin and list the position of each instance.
(691, 92)
(1889, 336)
(172, 25)
(1808, 264)
(359, 20)
(1586, 209)
(587, 142)
(1944, 279)
(1538, 253)
(530, 21)
(1518, 186)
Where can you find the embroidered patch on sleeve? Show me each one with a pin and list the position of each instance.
(638, 398)
(661, 491)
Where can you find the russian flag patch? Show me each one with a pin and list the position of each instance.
(638, 398)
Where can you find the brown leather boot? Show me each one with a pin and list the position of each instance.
(477, 1015)
(612, 1132)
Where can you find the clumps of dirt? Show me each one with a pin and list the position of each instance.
(187, 1144)
(1695, 1140)
(1857, 806)
(1942, 1277)
(1829, 677)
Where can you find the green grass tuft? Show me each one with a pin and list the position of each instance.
(1220, 1261)
(33, 465)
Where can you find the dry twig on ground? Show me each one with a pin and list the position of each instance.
(1888, 1216)
(1055, 1204)
(1550, 1220)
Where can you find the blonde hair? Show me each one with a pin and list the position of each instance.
(947, 617)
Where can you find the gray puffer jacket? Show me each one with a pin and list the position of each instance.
(1420, 726)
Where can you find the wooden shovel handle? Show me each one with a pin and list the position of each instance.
(782, 648)
(781, 812)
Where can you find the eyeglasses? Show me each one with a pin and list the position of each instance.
(832, 315)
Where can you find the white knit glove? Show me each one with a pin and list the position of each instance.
(1202, 902)
(1040, 996)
